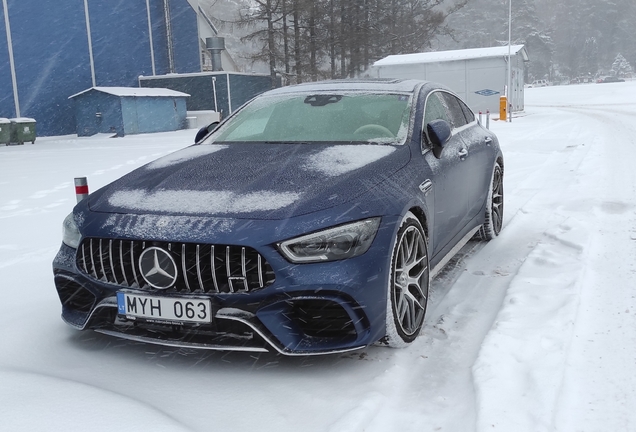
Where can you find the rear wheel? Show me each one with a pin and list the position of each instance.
(494, 206)
(408, 284)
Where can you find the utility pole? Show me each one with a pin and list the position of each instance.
(14, 81)
(509, 85)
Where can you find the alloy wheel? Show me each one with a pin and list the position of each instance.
(497, 200)
(410, 281)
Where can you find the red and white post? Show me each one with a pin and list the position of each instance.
(81, 188)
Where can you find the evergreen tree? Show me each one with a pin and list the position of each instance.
(621, 67)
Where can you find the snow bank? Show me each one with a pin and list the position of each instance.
(520, 367)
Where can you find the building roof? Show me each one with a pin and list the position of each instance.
(453, 55)
(135, 92)
(198, 74)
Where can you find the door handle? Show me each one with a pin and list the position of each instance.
(426, 186)
(488, 140)
(462, 153)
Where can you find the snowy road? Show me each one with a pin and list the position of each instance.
(534, 331)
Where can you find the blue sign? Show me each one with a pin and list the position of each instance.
(121, 303)
(487, 92)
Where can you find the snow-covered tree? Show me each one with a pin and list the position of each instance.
(621, 66)
(316, 39)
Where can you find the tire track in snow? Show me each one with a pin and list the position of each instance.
(468, 296)
(525, 360)
(599, 385)
(522, 360)
(465, 302)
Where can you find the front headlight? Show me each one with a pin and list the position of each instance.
(332, 244)
(70, 234)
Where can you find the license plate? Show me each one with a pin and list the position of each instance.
(164, 309)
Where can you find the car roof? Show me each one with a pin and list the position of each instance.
(373, 85)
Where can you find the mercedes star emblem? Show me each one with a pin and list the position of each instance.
(158, 268)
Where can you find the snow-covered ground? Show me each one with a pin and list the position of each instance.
(534, 331)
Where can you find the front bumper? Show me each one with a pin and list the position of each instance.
(310, 309)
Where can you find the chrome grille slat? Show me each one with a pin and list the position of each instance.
(133, 263)
(184, 267)
(259, 261)
(84, 263)
(199, 268)
(111, 263)
(229, 269)
(121, 261)
(243, 272)
(213, 269)
(94, 270)
(101, 260)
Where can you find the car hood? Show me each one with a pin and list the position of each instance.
(251, 181)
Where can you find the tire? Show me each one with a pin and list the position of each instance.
(408, 284)
(494, 206)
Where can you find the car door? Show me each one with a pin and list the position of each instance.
(449, 195)
(476, 163)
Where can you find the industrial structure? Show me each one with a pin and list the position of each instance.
(52, 49)
(219, 91)
(477, 75)
(129, 110)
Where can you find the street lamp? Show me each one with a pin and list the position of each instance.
(509, 84)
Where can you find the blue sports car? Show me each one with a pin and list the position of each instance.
(310, 221)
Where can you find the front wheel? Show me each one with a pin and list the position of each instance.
(408, 284)
(494, 206)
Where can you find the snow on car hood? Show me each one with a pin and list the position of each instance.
(249, 180)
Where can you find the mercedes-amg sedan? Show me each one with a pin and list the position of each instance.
(310, 221)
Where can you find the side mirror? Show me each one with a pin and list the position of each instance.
(439, 132)
(204, 131)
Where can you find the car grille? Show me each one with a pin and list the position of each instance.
(200, 267)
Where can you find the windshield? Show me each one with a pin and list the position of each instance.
(320, 117)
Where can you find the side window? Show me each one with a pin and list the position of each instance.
(456, 113)
(468, 113)
(435, 109)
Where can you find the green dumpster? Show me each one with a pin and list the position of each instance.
(22, 130)
(5, 131)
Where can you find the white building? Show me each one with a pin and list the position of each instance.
(477, 75)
